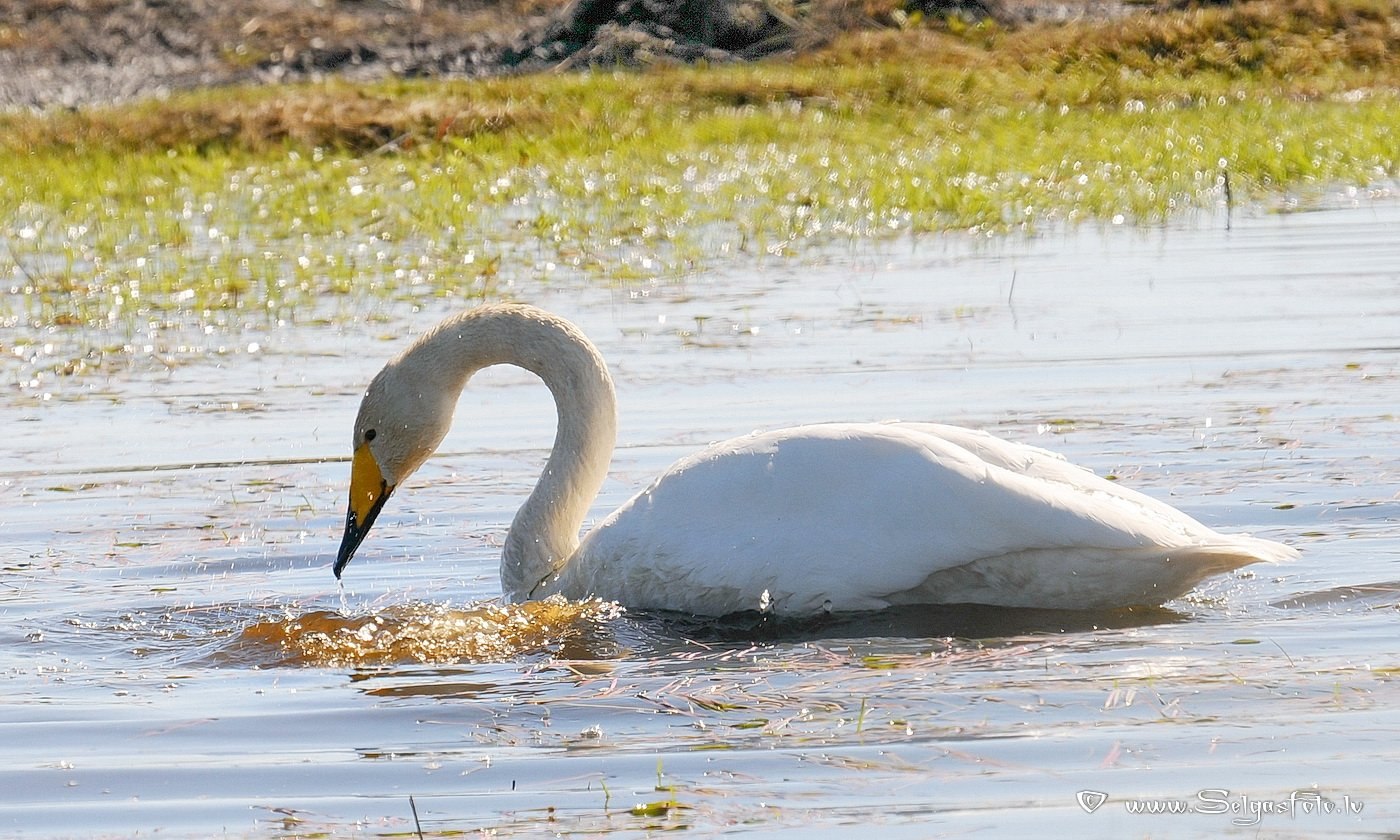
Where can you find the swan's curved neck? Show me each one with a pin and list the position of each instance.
(545, 532)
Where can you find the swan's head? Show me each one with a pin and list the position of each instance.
(402, 419)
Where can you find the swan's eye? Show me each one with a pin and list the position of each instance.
(369, 435)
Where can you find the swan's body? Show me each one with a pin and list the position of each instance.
(835, 517)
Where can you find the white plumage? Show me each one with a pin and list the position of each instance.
(832, 517)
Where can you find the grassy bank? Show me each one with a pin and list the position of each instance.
(230, 206)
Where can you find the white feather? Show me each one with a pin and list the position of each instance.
(834, 517)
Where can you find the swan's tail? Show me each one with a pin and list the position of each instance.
(1238, 551)
(1196, 563)
(1187, 566)
(1091, 578)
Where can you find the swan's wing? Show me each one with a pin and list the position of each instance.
(1035, 462)
(852, 517)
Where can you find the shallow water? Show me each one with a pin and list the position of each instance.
(178, 659)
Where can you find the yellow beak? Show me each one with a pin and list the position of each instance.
(368, 493)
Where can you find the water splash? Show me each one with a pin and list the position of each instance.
(420, 633)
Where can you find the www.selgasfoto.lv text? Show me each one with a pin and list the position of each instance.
(1243, 808)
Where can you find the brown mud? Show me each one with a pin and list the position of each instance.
(74, 53)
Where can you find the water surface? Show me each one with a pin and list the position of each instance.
(178, 659)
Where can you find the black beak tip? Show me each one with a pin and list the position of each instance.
(353, 536)
(355, 531)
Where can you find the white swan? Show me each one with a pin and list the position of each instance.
(837, 517)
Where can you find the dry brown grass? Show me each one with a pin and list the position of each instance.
(1279, 37)
(331, 116)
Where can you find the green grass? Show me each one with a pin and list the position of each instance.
(260, 205)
